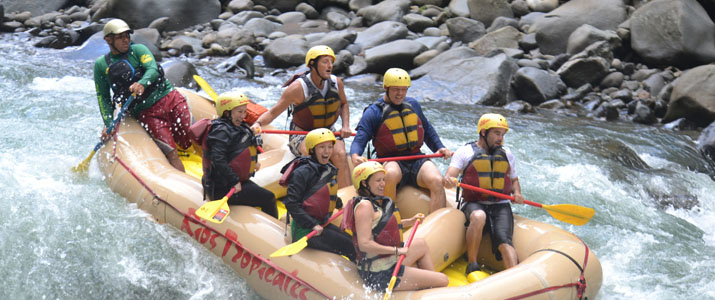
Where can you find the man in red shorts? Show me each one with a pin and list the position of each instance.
(130, 69)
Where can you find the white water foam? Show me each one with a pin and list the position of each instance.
(69, 84)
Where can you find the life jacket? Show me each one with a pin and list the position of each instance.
(488, 172)
(122, 74)
(388, 230)
(401, 131)
(242, 155)
(320, 199)
(317, 111)
(253, 111)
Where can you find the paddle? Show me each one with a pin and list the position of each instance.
(216, 211)
(390, 286)
(84, 165)
(302, 242)
(296, 132)
(409, 157)
(569, 213)
(206, 87)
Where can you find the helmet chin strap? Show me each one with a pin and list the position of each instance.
(111, 46)
(322, 79)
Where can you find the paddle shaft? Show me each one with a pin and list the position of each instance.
(409, 157)
(116, 120)
(295, 132)
(313, 233)
(495, 194)
(399, 262)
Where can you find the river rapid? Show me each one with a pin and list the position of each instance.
(66, 237)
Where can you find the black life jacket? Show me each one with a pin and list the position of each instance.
(122, 74)
(320, 200)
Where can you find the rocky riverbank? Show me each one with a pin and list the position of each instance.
(649, 62)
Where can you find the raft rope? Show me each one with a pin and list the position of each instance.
(580, 284)
(262, 259)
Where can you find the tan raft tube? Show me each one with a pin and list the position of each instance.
(548, 255)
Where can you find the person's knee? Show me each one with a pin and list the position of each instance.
(477, 218)
(393, 175)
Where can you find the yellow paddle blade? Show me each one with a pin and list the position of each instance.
(84, 165)
(570, 213)
(206, 87)
(389, 288)
(215, 211)
(292, 248)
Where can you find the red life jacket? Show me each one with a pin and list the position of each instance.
(242, 160)
(317, 111)
(388, 230)
(401, 131)
(320, 199)
(488, 172)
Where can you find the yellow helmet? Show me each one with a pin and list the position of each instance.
(488, 121)
(364, 170)
(396, 77)
(229, 100)
(316, 51)
(317, 136)
(116, 26)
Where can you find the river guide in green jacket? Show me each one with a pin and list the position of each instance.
(130, 69)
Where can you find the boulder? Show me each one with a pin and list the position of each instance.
(180, 73)
(586, 35)
(505, 37)
(395, 54)
(673, 32)
(417, 22)
(554, 29)
(464, 29)
(459, 8)
(292, 17)
(486, 11)
(381, 33)
(244, 16)
(35, 7)
(460, 75)
(706, 143)
(241, 63)
(542, 5)
(185, 44)
(261, 27)
(644, 114)
(231, 37)
(536, 86)
(389, 10)
(140, 13)
(693, 97)
(337, 20)
(309, 11)
(286, 52)
(281, 5)
(336, 40)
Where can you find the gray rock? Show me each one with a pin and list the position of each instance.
(286, 52)
(184, 44)
(505, 37)
(381, 33)
(644, 114)
(580, 71)
(358, 67)
(389, 10)
(528, 42)
(428, 2)
(239, 5)
(607, 111)
(486, 11)
(625, 94)
(578, 93)
(11, 26)
(261, 27)
(292, 17)
(706, 144)
(500, 22)
(520, 8)
(680, 125)
(140, 18)
(553, 104)
(416, 22)
(536, 86)
(343, 60)
(431, 42)
(673, 33)
(693, 97)
(554, 29)
(232, 37)
(307, 10)
(654, 84)
(244, 16)
(180, 73)
(356, 5)
(337, 20)
(519, 106)
(395, 54)
(36, 8)
(614, 79)
(464, 29)
(586, 35)
(459, 8)
(643, 74)
(241, 63)
(528, 20)
(424, 57)
(461, 76)
(543, 5)
(281, 5)
(528, 63)
(336, 40)
(432, 12)
(432, 31)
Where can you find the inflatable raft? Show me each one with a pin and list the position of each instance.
(553, 263)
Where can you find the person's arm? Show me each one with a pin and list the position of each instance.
(292, 94)
(365, 130)
(363, 229)
(515, 185)
(516, 189)
(218, 143)
(151, 70)
(459, 161)
(345, 131)
(298, 185)
(431, 137)
(104, 99)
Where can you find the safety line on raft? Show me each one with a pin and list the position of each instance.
(580, 284)
(262, 259)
